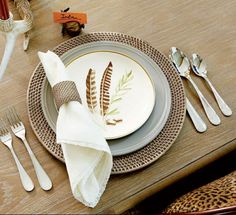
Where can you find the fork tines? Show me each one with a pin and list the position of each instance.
(13, 117)
(3, 127)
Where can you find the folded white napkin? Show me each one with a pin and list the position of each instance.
(87, 155)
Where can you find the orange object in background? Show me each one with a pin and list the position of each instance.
(63, 17)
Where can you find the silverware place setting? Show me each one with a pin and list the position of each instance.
(12, 122)
(183, 66)
(6, 139)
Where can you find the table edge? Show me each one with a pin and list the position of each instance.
(129, 202)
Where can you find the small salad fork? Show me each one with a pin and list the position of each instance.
(18, 129)
(6, 139)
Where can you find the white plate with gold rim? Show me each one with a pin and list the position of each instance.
(123, 89)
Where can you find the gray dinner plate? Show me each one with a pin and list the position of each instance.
(155, 123)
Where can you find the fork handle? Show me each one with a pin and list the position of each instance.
(43, 178)
(25, 179)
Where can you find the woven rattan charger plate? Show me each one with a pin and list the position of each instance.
(124, 163)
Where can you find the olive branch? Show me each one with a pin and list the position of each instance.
(121, 89)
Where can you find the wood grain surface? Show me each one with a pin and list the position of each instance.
(204, 26)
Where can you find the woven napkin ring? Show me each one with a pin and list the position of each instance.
(64, 92)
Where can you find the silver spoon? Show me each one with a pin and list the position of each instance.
(183, 67)
(199, 68)
(198, 123)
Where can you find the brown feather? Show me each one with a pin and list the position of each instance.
(104, 90)
(91, 90)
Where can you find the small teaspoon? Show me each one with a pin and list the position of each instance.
(199, 68)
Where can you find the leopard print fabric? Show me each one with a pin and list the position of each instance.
(220, 193)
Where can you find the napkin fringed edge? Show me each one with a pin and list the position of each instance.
(64, 92)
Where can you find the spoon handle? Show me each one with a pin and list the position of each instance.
(211, 114)
(223, 106)
(196, 119)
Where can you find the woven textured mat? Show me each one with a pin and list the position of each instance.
(124, 163)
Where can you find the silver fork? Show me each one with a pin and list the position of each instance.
(5, 137)
(18, 129)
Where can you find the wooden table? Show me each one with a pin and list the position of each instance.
(205, 27)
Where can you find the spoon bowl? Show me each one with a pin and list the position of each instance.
(198, 65)
(180, 61)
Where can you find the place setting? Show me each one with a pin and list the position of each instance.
(157, 90)
(103, 103)
(111, 96)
